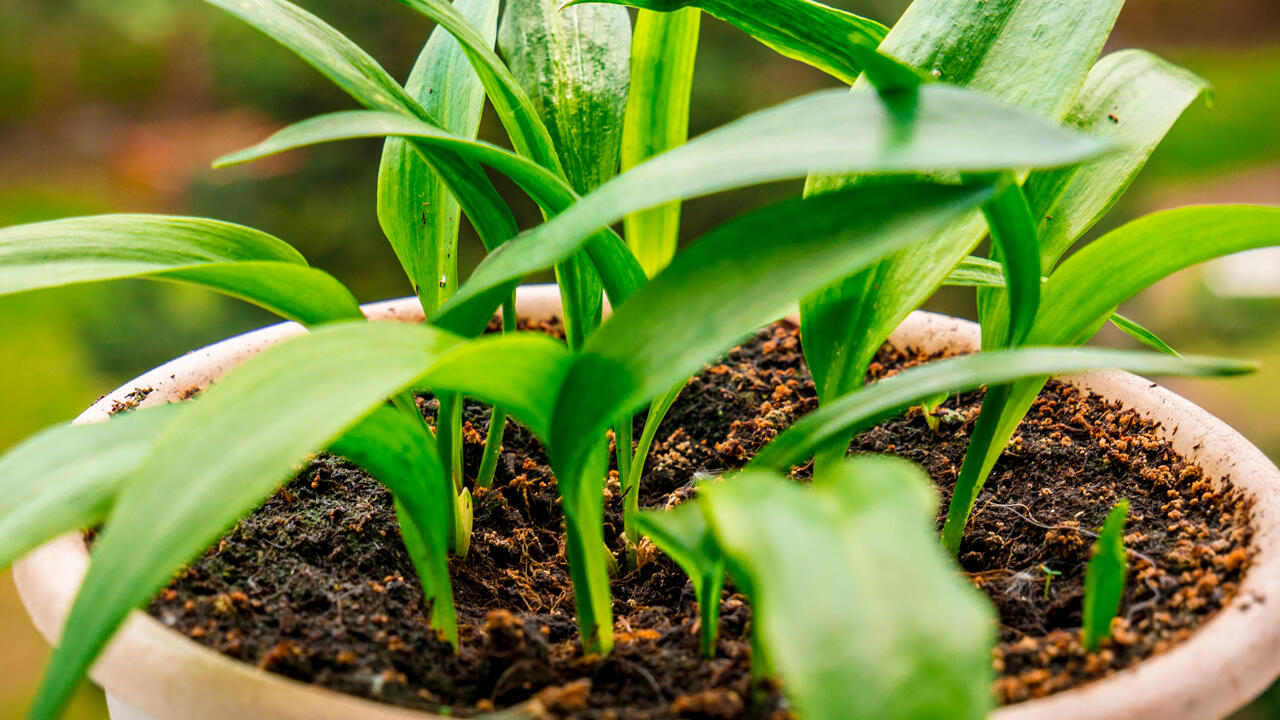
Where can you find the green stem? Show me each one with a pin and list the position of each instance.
(623, 441)
(635, 469)
(449, 441)
(590, 585)
(498, 420)
(977, 465)
(709, 609)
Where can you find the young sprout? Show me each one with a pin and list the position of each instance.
(1104, 578)
(1049, 575)
(929, 408)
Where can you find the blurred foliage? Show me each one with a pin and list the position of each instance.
(120, 105)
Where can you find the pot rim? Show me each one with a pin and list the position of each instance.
(1225, 663)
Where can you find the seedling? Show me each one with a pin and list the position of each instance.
(1104, 578)
(1049, 575)
(859, 254)
(929, 409)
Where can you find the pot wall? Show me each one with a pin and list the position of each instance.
(153, 673)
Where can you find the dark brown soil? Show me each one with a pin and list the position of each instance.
(317, 586)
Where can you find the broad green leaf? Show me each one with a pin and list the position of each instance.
(950, 129)
(683, 535)
(1130, 98)
(619, 270)
(574, 64)
(1034, 54)
(839, 43)
(231, 259)
(860, 612)
(418, 213)
(66, 477)
(394, 448)
(1104, 578)
(663, 53)
(891, 396)
(243, 436)
(353, 70)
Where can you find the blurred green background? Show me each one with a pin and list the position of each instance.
(120, 105)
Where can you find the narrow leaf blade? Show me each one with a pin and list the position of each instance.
(418, 213)
(839, 43)
(951, 129)
(663, 53)
(229, 258)
(1104, 578)
(885, 398)
(680, 320)
(66, 478)
(242, 437)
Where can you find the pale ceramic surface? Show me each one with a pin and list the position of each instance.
(152, 673)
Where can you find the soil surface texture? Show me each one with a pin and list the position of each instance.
(317, 585)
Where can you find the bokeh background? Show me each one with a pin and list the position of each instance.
(120, 105)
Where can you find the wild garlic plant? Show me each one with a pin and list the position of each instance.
(953, 125)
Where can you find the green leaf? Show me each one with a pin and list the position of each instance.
(950, 129)
(891, 396)
(1104, 578)
(619, 270)
(394, 448)
(1031, 53)
(418, 213)
(1142, 334)
(1130, 98)
(856, 529)
(976, 271)
(663, 53)
(682, 534)
(232, 259)
(680, 320)
(1077, 300)
(1034, 54)
(353, 70)
(242, 437)
(1016, 245)
(574, 65)
(839, 43)
(516, 112)
(631, 481)
(323, 48)
(66, 477)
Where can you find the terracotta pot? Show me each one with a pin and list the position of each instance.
(153, 673)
